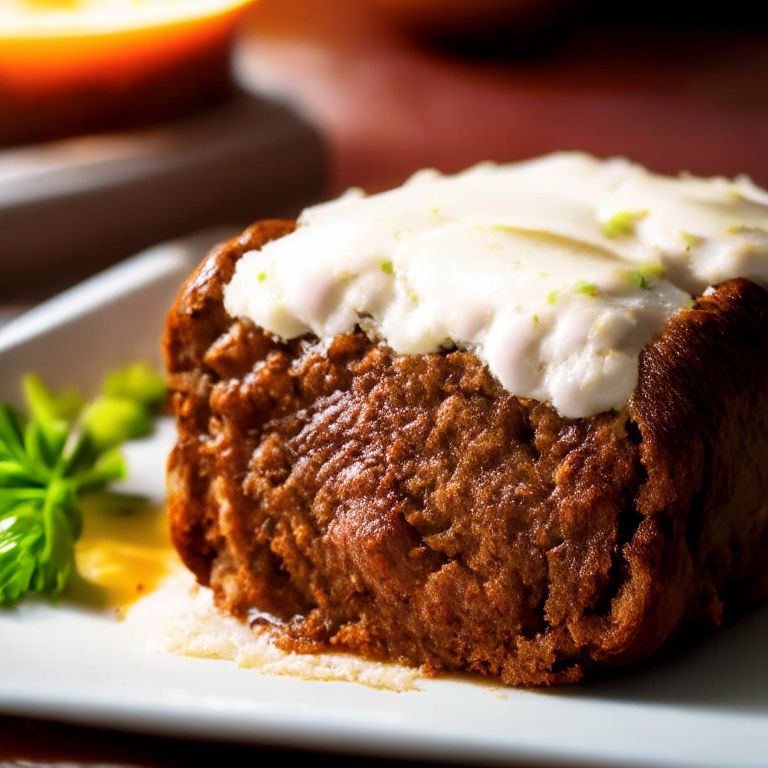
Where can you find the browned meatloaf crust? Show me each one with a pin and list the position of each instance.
(409, 508)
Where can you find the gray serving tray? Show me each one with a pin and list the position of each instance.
(69, 208)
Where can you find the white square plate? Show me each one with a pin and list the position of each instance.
(707, 706)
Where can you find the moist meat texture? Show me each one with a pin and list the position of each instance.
(408, 508)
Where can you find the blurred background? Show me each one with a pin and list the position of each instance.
(127, 122)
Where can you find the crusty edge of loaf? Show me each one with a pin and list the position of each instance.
(667, 560)
(194, 321)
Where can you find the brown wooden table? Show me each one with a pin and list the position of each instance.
(661, 83)
(40, 742)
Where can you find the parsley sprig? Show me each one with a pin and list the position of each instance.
(64, 449)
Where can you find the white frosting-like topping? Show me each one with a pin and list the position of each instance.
(556, 271)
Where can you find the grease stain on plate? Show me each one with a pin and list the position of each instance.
(124, 552)
(127, 565)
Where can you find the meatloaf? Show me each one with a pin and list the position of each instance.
(408, 508)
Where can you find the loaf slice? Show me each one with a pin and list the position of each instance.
(409, 508)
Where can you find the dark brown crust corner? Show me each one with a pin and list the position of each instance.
(409, 508)
(701, 406)
(196, 319)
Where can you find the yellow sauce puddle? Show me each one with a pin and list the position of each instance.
(123, 554)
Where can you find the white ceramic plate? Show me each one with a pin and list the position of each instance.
(705, 707)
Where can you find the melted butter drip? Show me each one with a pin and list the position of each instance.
(123, 554)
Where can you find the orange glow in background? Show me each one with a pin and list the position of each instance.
(73, 67)
(52, 44)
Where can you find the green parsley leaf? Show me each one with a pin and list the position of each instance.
(108, 468)
(65, 449)
(139, 382)
(48, 407)
(22, 538)
(111, 420)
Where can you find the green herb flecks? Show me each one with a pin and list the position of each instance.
(262, 276)
(388, 267)
(645, 275)
(62, 450)
(743, 229)
(589, 289)
(691, 241)
(552, 298)
(622, 224)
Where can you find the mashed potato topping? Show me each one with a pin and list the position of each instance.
(556, 272)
